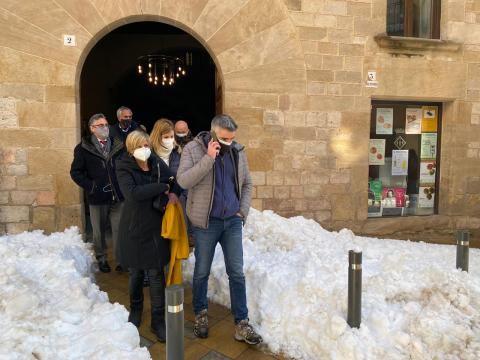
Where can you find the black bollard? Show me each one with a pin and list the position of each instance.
(354, 317)
(174, 322)
(463, 243)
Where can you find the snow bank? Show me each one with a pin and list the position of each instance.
(49, 307)
(416, 305)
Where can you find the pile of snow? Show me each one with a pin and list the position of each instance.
(51, 309)
(416, 305)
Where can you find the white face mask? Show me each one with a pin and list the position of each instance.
(168, 143)
(181, 135)
(142, 153)
(225, 142)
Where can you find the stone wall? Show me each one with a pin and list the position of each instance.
(294, 76)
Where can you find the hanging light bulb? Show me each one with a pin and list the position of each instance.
(177, 75)
(150, 79)
(139, 69)
(156, 78)
(155, 82)
(179, 68)
(183, 72)
(149, 65)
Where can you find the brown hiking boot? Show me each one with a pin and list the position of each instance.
(200, 329)
(244, 332)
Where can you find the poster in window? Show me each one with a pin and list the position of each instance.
(429, 146)
(399, 162)
(384, 121)
(393, 197)
(426, 197)
(376, 152)
(428, 170)
(429, 119)
(413, 121)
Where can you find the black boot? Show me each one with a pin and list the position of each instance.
(158, 325)
(136, 310)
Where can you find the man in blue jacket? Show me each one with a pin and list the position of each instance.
(93, 169)
(125, 124)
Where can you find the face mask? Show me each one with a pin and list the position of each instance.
(168, 143)
(102, 132)
(142, 154)
(224, 146)
(125, 123)
(182, 138)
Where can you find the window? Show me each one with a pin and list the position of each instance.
(414, 18)
(404, 158)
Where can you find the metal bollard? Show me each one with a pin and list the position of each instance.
(354, 317)
(463, 243)
(174, 322)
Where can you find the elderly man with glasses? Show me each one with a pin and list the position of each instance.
(93, 169)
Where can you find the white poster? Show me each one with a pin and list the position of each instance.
(428, 170)
(413, 121)
(376, 152)
(426, 197)
(399, 162)
(429, 146)
(384, 121)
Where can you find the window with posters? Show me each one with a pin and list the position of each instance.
(404, 154)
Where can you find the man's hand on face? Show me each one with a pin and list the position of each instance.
(213, 149)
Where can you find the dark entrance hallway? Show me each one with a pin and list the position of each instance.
(110, 79)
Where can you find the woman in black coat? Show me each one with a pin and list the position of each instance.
(142, 179)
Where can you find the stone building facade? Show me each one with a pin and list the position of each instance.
(294, 75)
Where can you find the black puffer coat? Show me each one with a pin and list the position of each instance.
(141, 244)
(96, 173)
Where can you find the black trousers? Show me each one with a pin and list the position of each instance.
(157, 290)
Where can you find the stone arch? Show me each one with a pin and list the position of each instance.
(253, 42)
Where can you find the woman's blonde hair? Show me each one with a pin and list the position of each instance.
(135, 140)
(161, 127)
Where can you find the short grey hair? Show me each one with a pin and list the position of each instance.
(95, 117)
(225, 122)
(122, 108)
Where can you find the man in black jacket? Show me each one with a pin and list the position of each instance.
(93, 169)
(125, 124)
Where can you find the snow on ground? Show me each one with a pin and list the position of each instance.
(49, 307)
(416, 305)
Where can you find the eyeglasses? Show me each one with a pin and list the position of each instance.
(100, 125)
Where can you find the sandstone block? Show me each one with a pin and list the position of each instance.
(275, 178)
(14, 214)
(17, 228)
(273, 118)
(44, 218)
(45, 198)
(7, 182)
(35, 182)
(332, 62)
(327, 48)
(312, 33)
(281, 192)
(316, 88)
(17, 170)
(317, 148)
(359, 9)
(23, 197)
(258, 177)
(264, 192)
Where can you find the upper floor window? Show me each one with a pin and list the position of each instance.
(414, 18)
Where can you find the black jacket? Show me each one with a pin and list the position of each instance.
(95, 173)
(140, 242)
(115, 131)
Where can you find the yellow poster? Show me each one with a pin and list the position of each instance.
(429, 119)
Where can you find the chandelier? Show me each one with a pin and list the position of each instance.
(161, 69)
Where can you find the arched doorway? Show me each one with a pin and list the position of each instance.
(109, 77)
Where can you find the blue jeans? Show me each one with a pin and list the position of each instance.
(228, 233)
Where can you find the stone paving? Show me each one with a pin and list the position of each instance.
(220, 344)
